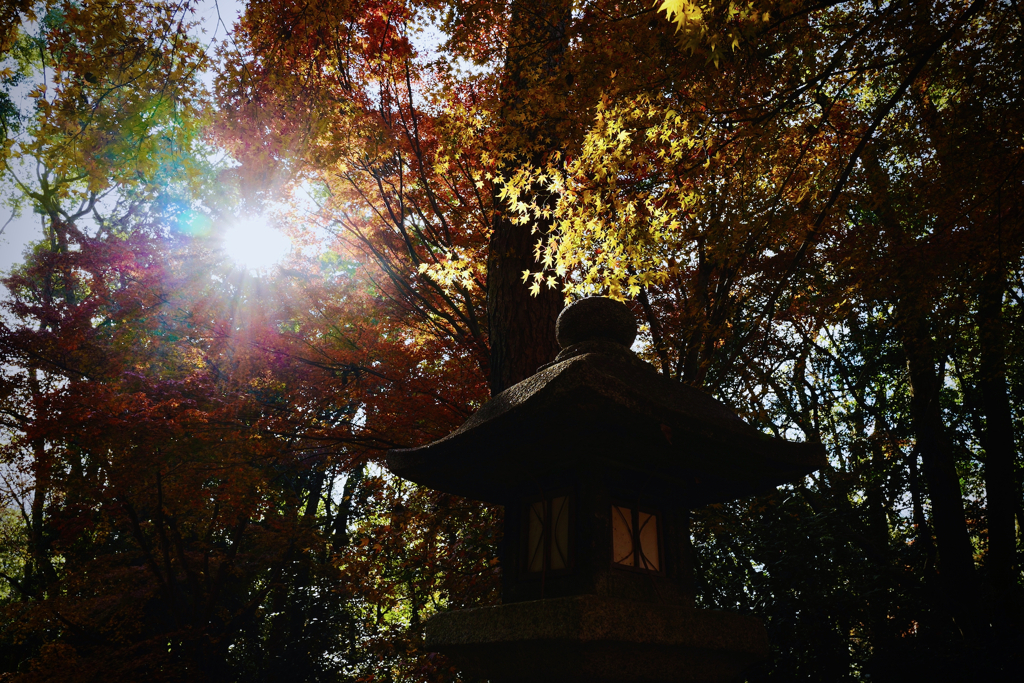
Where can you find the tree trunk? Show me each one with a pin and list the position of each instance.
(922, 528)
(521, 326)
(1000, 453)
(955, 553)
(915, 305)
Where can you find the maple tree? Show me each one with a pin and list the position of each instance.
(814, 209)
(794, 219)
(187, 489)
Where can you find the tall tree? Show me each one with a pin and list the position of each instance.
(531, 94)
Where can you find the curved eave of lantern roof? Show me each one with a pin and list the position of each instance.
(599, 408)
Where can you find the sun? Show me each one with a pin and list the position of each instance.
(255, 244)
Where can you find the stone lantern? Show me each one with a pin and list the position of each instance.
(598, 459)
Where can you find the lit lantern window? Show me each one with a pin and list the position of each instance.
(635, 538)
(547, 537)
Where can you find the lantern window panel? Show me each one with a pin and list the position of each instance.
(548, 534)
(636, 538)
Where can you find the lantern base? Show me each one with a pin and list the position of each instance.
(593, 639)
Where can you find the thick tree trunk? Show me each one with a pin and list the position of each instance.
(521, 326)
(1001, 489)
(955, 553)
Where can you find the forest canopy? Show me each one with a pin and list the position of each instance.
(814, 209)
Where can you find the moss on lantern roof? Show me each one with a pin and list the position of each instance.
(600, 410)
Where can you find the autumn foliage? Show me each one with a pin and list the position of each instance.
(814, 210)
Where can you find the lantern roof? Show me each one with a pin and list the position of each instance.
(598, 410)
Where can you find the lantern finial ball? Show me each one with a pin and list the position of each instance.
(595, 318)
